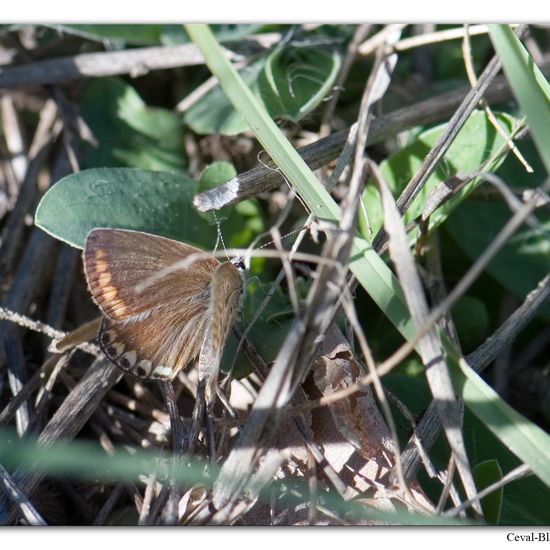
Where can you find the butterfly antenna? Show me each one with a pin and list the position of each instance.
(220, 236)
(301, 228)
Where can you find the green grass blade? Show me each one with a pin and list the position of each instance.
(526, 440)
(529, 85)
(87, 461)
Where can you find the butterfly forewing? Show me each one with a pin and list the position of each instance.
(117, 261)
(156, 332)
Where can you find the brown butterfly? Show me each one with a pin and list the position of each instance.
(181, 314)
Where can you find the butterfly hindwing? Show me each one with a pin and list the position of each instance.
(161, 355)
(226, 290)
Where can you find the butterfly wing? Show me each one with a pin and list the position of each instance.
(156, 332)
(226, 289)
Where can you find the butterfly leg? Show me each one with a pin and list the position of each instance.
(178, 435)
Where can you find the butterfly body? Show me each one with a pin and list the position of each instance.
(158, 319)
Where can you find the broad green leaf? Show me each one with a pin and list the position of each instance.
(486, 473)
(298, 78)
(476, 142)
(216, 174)
(471, 319)
(154, 202)
(267, 132)
(129, 132)
(289, 83)
(521, 263)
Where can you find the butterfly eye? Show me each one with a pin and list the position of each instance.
(238, 263)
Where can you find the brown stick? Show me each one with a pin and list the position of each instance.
(134, 62)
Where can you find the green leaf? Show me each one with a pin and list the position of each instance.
(521, 263)
(128, 132)
(216, 174)
(131, 34)
(476, 142)
(289, 83)
(486, 473)
(525, 259)
(298, 78)
(228, 32)
(214, 114)
(154, 202)
(471, 319)
(267, 132)
(243, 223)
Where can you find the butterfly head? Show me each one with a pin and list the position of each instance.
(238, 262)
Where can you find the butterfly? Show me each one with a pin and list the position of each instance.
(157, 319)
